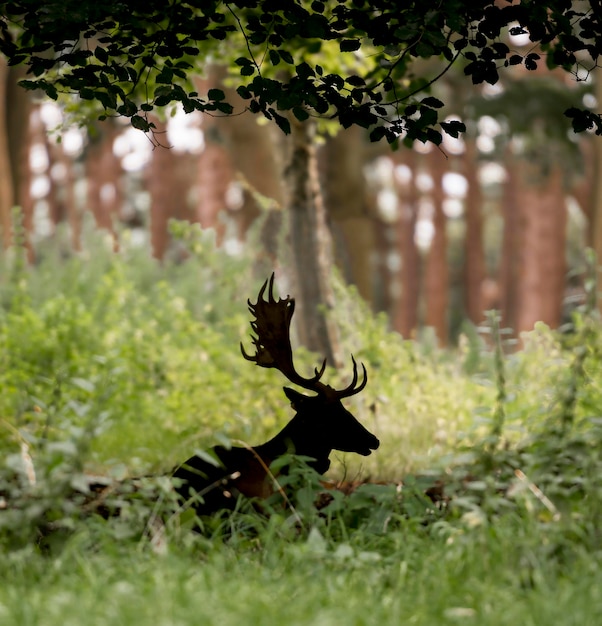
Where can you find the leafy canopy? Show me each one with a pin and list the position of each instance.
(132, 57)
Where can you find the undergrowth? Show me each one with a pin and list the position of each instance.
(486, 491)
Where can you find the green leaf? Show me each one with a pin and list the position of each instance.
(128, 108)
(315, 26)
(283, 123)
(428, 116)
(424, 49)
(304, 71)
(107, 100)
(378, 133)
(453, 128)
(29, 84)
(356, 81)
(49, 89)
(429, 101)
(216, 94)
(287, 57)
(300, 114)
(244, 92)
(432, 135)
(209, 457)
(225, 107)
(165, 76)
(101, 54)
(83, 383)
(350, 45)
(531, 61)
(140, 123)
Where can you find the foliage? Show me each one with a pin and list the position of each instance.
(551, 463)
(114, 331)
(118, 366)
(125, 374)
(531, 116)
(133, 57)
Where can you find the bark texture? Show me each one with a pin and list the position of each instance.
(437, 268)
(474, 253)
(311, 246)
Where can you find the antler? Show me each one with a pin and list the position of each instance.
(351, 389)
(273, 344)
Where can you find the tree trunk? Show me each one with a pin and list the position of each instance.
(596, 214)
(74, 215)
(474, 254)
(385, 278)
(160, 181)
(512, 248)
(253, 148)
(437, 270)
(406, 315)
(342, 162)
(18, 112)
(6, 179)
(215, 175)
(56, 208)
(543, 271)
(239, 150)
(17, 116)
(103, 179)
(311, 245)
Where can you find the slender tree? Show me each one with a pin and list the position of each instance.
(6, 179)
(474, 253)
(543, 257)
(342, 161)
(406, 315)
(596, 189)
(436, 275)
(103, 178)
(311, 244)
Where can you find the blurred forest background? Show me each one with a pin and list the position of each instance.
(498, 219)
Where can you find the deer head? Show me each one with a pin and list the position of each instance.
(321, 423)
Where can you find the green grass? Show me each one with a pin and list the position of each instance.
(496, 576)
(119, 366)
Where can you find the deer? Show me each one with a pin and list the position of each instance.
(320, 425)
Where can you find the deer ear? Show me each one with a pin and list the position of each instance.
(295, 397)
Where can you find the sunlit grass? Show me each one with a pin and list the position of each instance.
(156, 363)
(124, 368)
(494, 576)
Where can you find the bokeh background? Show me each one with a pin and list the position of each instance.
(432, 237)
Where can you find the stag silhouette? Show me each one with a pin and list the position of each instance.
(320, 425)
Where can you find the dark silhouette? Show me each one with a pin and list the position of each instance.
(321, 423)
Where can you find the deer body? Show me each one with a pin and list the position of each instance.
(321, 423)
(316, 430)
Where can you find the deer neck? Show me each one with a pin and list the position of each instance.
(294, 438)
